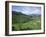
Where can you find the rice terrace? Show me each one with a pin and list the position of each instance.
(26, 18)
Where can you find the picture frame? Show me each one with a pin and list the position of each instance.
(22, 9)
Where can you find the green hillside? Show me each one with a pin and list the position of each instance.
(21, 21)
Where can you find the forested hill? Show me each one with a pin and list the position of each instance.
(18, 17)
(17, 13)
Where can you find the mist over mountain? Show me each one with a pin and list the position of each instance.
(20, 13)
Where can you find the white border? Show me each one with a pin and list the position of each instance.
(29, 31)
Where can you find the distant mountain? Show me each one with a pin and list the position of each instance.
(16, 13)
(35, 15)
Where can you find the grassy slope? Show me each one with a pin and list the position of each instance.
(24, 22)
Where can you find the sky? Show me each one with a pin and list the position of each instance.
(27, 9)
